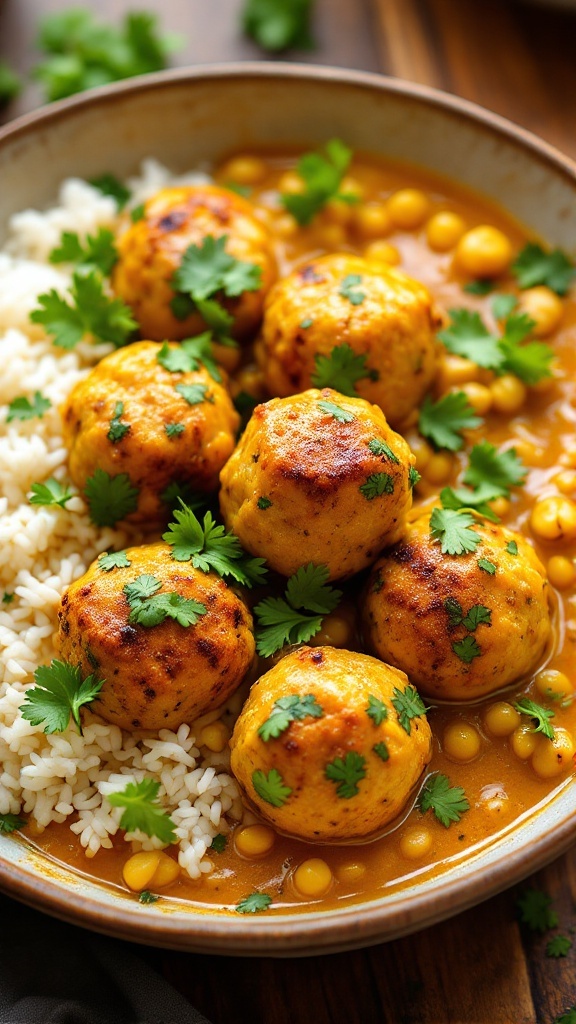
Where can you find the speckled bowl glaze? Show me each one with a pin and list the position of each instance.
(189, 117)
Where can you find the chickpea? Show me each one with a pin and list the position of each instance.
(244, 170)
(483, 251)
(508, 394)
(479, 396)
(337, 211)
(350, 186)
(501, 718)
(290, 182)
(214, 736)
(461, 741)
(416, 843)
(439, 468)
(422, 450)
(332, 236)
(254, 841)
(568, 459)
(372, 220)
(336, 631)
(408, 208)
(167, 871)
(553, 757)
(350, 872)
(455, 370)
(554, 518)
(444, 230)
(544, 307)
(149, 868)
(561, 571)
(313, 878)
(500, 506)
(523, 741)
(286, 225)
(494, 799)
(566, 481)
(251, 380)
(551, 682)
(382, 252)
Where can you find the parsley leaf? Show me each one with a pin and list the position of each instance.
(208, 546)
(271, 787)
(254, 903)
(10, 823)
(535, 910)
(376, 485)
(109, 185)
(110, 498)
(540, 716)
(219, 843)
(350, 290)
(60, 691)
(558, 945)
(341, 370)
(289, 709)
(408, 704)
(280, 619)
(477, 615)
(443, 421)
(96, 252)
(148, 608)
(336, 411)
(454, 531)
(89, 312)
(378, 447)
(189, 355)
(346, 772)
(534, 266)
(467, 649)
(50, 493)
(499, 470)
(278, 24)
(117, 429)
(447, 802)
(142, 811)
(10, 83)
(467, 336)
(22, 408)
(113, 560)
(322, 177)
(376, 710)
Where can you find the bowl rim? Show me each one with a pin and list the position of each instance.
(354, 925)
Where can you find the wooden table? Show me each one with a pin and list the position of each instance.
(480, 967)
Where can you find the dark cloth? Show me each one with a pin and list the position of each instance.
(55, 973)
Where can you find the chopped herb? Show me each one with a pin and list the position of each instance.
(376, 710)
(110, 498)
(278, 24)
(96, 252)
(467, 336)
(255, 903)
(138, 213)
(467, 649)
(110, 185)
(7, 598)
(336, 411)
(447, 802)
(194, 394)
(263, 503)
(531, 362)
(482, 286)
(10, 83)
(350, 290)
(91, 312)
(378, 447)
(189, 355)
(113, 560)
(376, 485)
(60, 691)
(535, 910)
(11, 823)
(296, 617)
(241, 190)
(539, 715)
(219, 843)
(306, 323)
(558, 945)
(22, 408)
(457, 498)
(341, 370)
(142, 811)
(50, 493)
(174, 429)
(534, 266)
(148, 608)
(408, 704)
(502, 305)
(180, 491)
(512, 547)
(477, 615)
(289, 709)
(117, 429)
(346, 772)
(487, 566)
(381, 750)
(208, 546)
(454, 531)
(443, 422)
(147, 897)
(322, 177)
(501, 470)
(271, 787)
(413, 476)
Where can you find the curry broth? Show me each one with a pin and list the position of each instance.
(499, 786)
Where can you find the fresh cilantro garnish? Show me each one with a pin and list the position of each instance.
(512, 547)
(194, 394)
(89, 312)
(467, 649)
(534, 266)
(10, 823)
(113, 560)
(349, 289)
(138, 213)
(241, 190)
(453, 529)
(535, 909)
(322, 177)
(219, 843)
(96, 252)
(10, 83)
(381, 750)
(442, 422)
(306, 323)
(7, 597)
(336, 411)
(289, 709)
(376, 485)
(271, 787)
(457, 498)
(539, 715)
(558, 945)
(60, 691)
(503, 304)
(378, 447)
(254, 903)
(476, 616)
(414, 477)
(189, 355)
(346, 772)
(117, 429)
(263, 503)
(467, 336)
(567, 1018)
(110, 498)
(408, 704)
(447, 802)
(341, 370)
(531, 361)
(208, 546)
(148, 608)
(109, 185)
(142, 811)
(50, 493)
(482, 286)
(499, 470)
(297, 616)
(376, 710)
(22, 408)
(180, 491)
(174, 429)
(487, 566)
(207, 270)
(278, 24)
(147, 897)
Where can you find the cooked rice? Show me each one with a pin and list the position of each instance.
(66, 776)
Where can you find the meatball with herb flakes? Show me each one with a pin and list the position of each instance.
(133, 416)
(340, 321)
(228, 272)
(460, 604)
(170, 641)
(330, 745)
(317, 477)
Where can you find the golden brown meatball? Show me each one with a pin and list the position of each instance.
(151, 251)
(131, 415)
(322, 748)
(464, 625)
(317, 477)
(156, 676)
(380, 313)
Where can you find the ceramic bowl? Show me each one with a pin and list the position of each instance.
(188, 117)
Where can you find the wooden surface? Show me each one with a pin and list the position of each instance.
(481, 967)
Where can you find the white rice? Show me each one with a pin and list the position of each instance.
(66, 776)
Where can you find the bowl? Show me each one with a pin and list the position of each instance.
(188, 117)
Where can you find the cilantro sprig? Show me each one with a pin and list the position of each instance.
(96, 252)
(59, 693)
(117, 429)
(444, 421)
(321, 177)
(534, 266)
(408, 704)
(51, 492)
(89, 312)
(110, 498)
(278, 25)
(535, 910)
(11, 823)
(142, 810)
(109, 185)
(208, 546)
(454, 531)
(490, 474)
(271, 788)
(346, 772)
(292, 708)
(189, 355)
(148, 608)
(113, 560)
(468, 336)
(540, 716)
(341, 370)
(448, 803)
(296, 617)
(22, 408)
(255, 903)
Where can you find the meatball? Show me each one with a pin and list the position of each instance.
(156, 675)
(322, 748)
(317, 477)
(131, 415)
(342, 300)
(464, 625)
(151, 251)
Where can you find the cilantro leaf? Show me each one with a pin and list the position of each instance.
(96, 252)
(148, 608)
(308, 589)
(454, 611)
(280, 619)
(442, 422)
(534, 907)
(50, 493)
(408, 704)
(558, 945)
(189, 355)
(22, 408)
(110, 498)
(534, 266)
(7, 597)
(10, 83)
(381, 750)
(414, 476)
(208, 546)
(219, 843)
(109, 185)
(10, 823)
(289, 709)
(349, 289)
(263, 503)
(346, 772)
(512, 547)
(482, 286)
(376, 710)
(207, 269)
(141, 588)
(499, 470)
(147, 897)
(467, 336)
(539, 715)
(278, 24)
(336, 411)
(457, 498)
(271, 787)
(340, 370)
(467, 649)
(117, 429)
(487, 566)
(60, 691)
(454, 531)
(530, 361)
(113, 560)
(567, 1018)
(503, 304)
(477, 615)
(376, 485)
(142, 811)
(378, 447)
(174, 429)
(322, 177)
(447, 802)
(255, 903)
(194, 394)
(89, 312)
